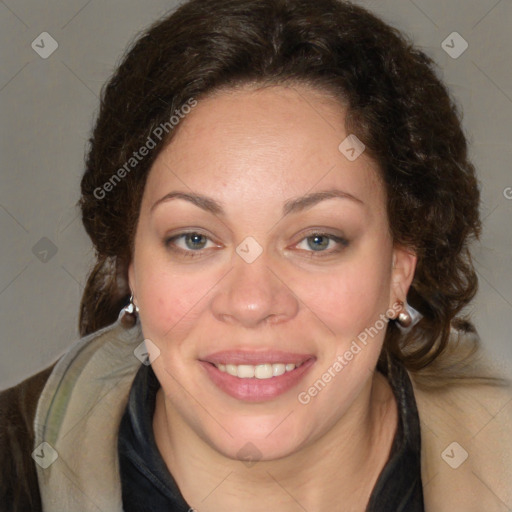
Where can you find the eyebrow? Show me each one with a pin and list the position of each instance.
(291, 206)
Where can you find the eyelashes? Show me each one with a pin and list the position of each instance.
(339, 243)
(188, 235)
(196, 244)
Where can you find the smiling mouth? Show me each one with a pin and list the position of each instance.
(260, 371)
(259, 382)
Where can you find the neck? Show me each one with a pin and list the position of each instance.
(355, 450)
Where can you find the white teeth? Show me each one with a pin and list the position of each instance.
(231, 369)
(278, 369)
(260, 371)
(264, 371)
(245, 371)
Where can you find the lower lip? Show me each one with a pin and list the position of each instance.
(256, 390)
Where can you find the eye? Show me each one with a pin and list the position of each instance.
(320, 242)
(192, 243)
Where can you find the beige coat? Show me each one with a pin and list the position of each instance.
(80, 407)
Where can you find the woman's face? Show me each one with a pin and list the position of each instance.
(257, 267)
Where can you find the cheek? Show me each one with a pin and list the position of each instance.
(172, 301)
(350, 298)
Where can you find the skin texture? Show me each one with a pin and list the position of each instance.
(252, 150)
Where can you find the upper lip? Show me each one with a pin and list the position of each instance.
(237, 357)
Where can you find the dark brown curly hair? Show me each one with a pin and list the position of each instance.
(396, 105)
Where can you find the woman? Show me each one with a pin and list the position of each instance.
(281, 202)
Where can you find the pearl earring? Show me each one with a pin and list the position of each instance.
(408, 317)
(128, 315)
(131, 306)
(404, 318)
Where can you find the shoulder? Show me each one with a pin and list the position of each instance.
(19, 399)
(466, 431)
(19, 489)
(468, 408)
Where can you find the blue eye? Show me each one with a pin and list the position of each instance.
(195, 240)
(194, 243)
(318, 244)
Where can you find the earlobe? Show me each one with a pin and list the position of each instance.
(131, 277)
(402, 274)
(128, 315)
(404, 266)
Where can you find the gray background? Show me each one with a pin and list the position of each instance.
(47, 109)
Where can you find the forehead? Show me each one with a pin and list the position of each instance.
(263, 145)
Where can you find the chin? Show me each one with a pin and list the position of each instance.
(256, 438)
(251, 449)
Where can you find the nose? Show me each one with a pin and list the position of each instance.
(254, 294)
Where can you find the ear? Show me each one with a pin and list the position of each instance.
(132, 280)
(404, 265)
